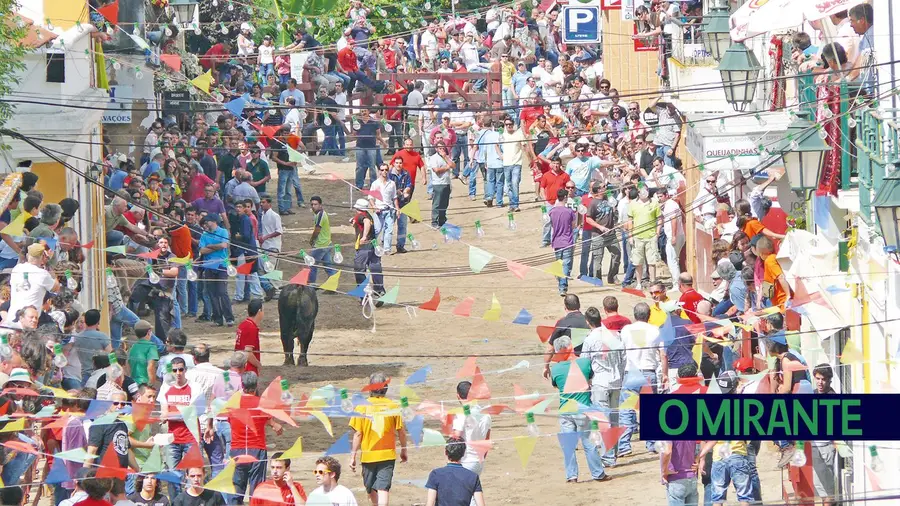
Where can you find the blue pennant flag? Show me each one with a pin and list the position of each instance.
(340, 446)
(169, 476)
(58, 473)
(236, 106)
(453, 231)
(666, 333)
(97, 408)
(360, 290)
(523, 318)
(414, 427)
(419, 376)
(591, 280)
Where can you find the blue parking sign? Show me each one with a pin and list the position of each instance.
(581, 24)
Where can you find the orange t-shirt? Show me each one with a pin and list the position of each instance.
(772, 270)
(753, 227)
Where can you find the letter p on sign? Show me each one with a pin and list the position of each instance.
(581, 24)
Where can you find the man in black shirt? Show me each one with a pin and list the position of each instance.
(195, 494)
(111, 436)
(574, 319)
(328, 108)
(601, 216)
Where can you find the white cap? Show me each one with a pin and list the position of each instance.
(361, 204)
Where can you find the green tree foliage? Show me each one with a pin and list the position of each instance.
(12, 54)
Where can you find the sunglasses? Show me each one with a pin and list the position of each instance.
(119, 403)
(656, 292)
(319, 471)
(180, 369)
(570, 187)
(509, 124)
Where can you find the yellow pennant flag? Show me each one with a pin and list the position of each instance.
(493, 314)
(16, 227)
(295, 451)
(59, 393)
(851, 354)
(331, 284)
(234, 402)
(325, 421)
(524, 447)
(410, 395)
(556, 268)
(630, 402)
(16, 426)
(203, 81)
(412, 210)
(569, 407)
(224, 481)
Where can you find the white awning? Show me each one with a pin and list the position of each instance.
(758, 17)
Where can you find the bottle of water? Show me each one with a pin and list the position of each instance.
(470, 420)
(545, 216)
(25, 285)
(379, 251)
(532, 427)
(5, 349)
(71, 283)
(111, 281)
(512, 221)
(169, 377)
(479, 230)
(59, 360)
(446, 234)
(268, 264)
(798, 459)
(338, 256)
(115, 370)
(230, 269)
(286, 396)
(346, 403)
(406, 412)
(191, 273)
(596, 437)
(413, 242)
(151, 274)
(229, 389)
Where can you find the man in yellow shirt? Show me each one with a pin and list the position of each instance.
(507, 69)
(643, 227)
(375, 435)
(658, 314)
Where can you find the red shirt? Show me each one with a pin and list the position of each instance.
(390, 59)
(529, 115)
(248, 335)
(460, 82)
(196, 186)
(242, 436)
(347, 59)
(393, 100)
(616, 322)
(690, 298)
(552, 183)
(179, 396)
(267, 493)
(215, 54)
(412, 161)
(586, 202)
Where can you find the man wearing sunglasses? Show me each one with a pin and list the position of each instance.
(580, 169)
(111, 437)
(170, 397)
(281, 484)
(328, 472)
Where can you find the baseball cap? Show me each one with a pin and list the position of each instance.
(142, 325)
(727, 381)
(36, 249)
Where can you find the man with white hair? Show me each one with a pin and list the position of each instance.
(114, 218)
(30, 281)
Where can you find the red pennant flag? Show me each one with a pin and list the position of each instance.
(695, 328)
(140, 413)
(332, 177)
(636, 293)
(519, 270)
(575, 381)
(495, 409)
(59, 423)
(544, 332)
(302, 277)
(468, 369)
(375, 194)
(432, 304)
(597, 416)
(376, 386)
(88, 245)
(523, 405)
(563, 355)
(20, 446)
(873, 479)
(245, 418)
(611, 436)
(270, 131)
(481, 447)
(110, 467)
(464, 308)
(271, 396)
(153, 255)
(246, 268)
(110, 12)
(479, 389)
(193, 458)
(447, 424)
(245, 459)
(172, 60)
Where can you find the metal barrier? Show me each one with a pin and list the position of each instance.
(687, 46)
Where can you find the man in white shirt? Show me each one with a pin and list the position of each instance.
(642, 349)
(385, 207)
(474, 427)
(270, 232)
(607, 354)
(30, 282)
(329, 492)
(672, 219)
(429, 47)
(461, 120)
(514, 143)
(208, 381)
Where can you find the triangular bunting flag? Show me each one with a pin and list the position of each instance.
(140, 413)
(325, 421)
(236, 106)
(153, 464)
(481, 447)
(189, 415)
(412, 210)
(464, 308)
(173, 61)
(493, 314)
(519, 270)
(575, 380)
(851, 354)
(110, 467)
(611, 436)
(14, 426)
(203, 81)
(524, 448)
(478, 258)
(110, 12)
(295, 451)
(375, 194)
(340, 446)
(274, 275)
(75, 455)
(414, 427)
(390, 297)
(544, 332)
(419, 376)
(630, 402)
(245, 268)
(360, 291)
(468, 369)
(523, 318)
(16, 227)
(88, 245)
(331, 284)
(224, 481)
(121, 250)
(294, 155)
(58, 473)
(431, 437)
(556, 268)
(302, 277)
(191, 458)
(432, 305)
(591, 280)
(479, 389)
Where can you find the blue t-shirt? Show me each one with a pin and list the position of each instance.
(117, 180)
(299, 99)
(737, 291)
(442, 104)
(152, 168)
(216, 259)
(455, 485)
(487, 149)
(366, 135)
(580, 171)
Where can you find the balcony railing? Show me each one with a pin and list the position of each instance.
(876, 148)
(687, 46)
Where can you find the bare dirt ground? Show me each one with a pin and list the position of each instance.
(341, 328)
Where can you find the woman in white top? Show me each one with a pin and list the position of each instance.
(386, 207)
(245, 44)
(266, 58)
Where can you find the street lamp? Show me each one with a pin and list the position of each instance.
(740, 71)
(717, 32)
(184, 10)
(803, 153)
(887, 209)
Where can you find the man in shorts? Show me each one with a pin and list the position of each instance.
(379, 451)
(642, 229)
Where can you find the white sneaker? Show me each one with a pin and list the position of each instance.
(345, 159)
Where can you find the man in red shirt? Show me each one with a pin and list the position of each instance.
(216, 55)
(281, 489)
(248, 437)
(689, 297)
(247, 339)
(530, 113)
(170, 397)
(613, 321)
(551, 183)
(348, 64)
(393, 101)
(412, 161)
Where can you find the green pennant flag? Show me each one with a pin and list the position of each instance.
(294, 155)
(189, 414)
(153, 464)
(106, 419)
(391, 296)
(478, 259)
(75, 455)
(276, 275)
(116, 249)
(431, 437)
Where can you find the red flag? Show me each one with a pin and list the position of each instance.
(271, 396)
(495, 409)
(611, 436)
(376, 386)
(172, 60)
(636, 293)
(270, 131)
(468, 369)
(523, 405)
(110, 12)
(247, 267)
(563, 355)
(464, 308)
(193, 458)
(88, 245)
(432, 304)
(375, 194)
(20, 446)
(575, 381)
(245, 418)
(110, 467)
(482, 447)
(302, 277)
(544, 332)
(479, 389)
(245, 459)
(140, 413)
(153, 255)
(519, 270)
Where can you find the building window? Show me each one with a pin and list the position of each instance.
(56, 67)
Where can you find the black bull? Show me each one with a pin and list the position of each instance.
(297, 310)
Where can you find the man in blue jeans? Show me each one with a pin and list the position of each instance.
(368, 137)
(731, 465)
(637, 338)
(562, 225)
(214, 252)
(287, 177)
